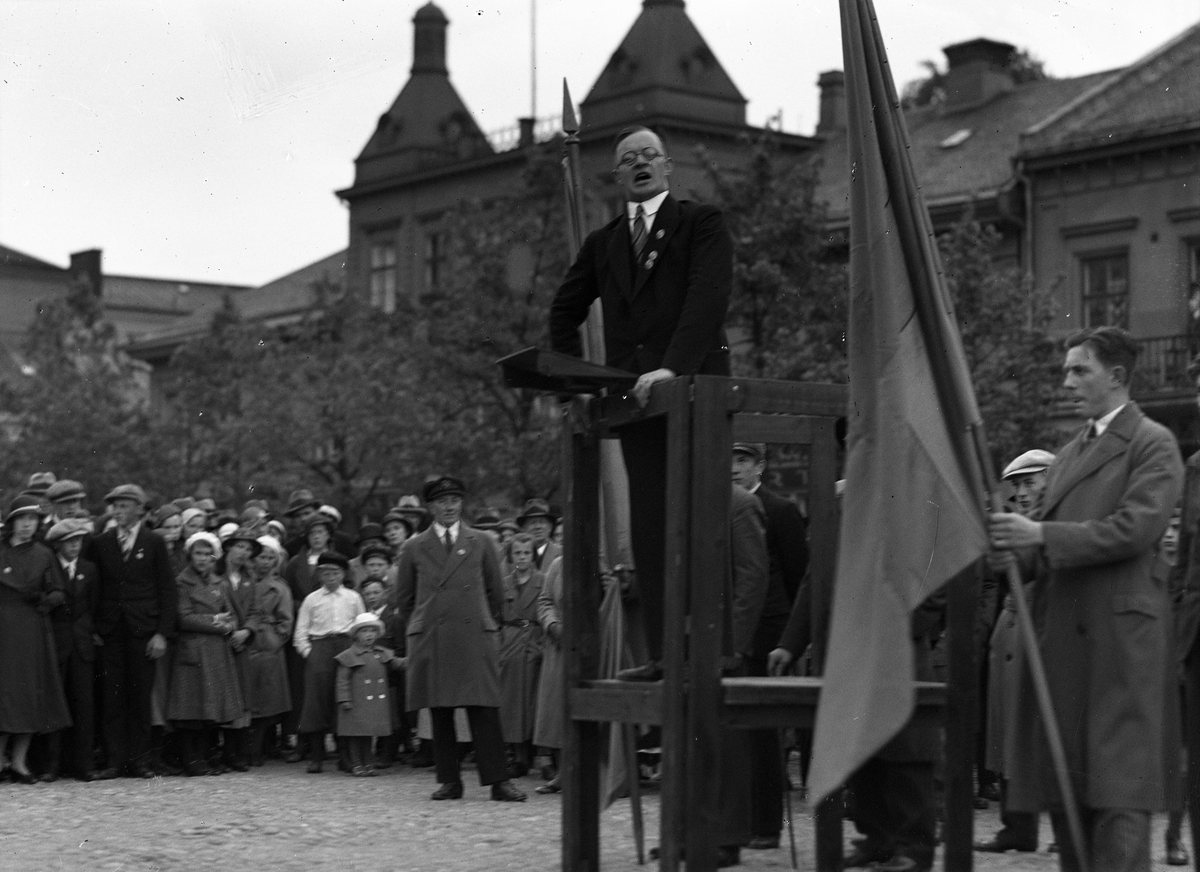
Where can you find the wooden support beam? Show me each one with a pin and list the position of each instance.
(581, 641)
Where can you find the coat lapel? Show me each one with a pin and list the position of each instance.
(527, 592)
(666, 221)
(462, 547)
(1084, 459)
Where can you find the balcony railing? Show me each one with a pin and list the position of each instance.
(1162, 365)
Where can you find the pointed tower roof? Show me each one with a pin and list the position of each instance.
(428, 124)
(663, 68)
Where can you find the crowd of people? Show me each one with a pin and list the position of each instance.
(189, 639)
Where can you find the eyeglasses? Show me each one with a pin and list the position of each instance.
(629, 158)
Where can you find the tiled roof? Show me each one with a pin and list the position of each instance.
(12, 257)
(981, 164)
(162, 296)
(294, 291)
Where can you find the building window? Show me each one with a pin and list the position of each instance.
(434, 260)
(1106, 290)
(383, 275)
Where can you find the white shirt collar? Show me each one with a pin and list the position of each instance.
(440, 531)
(1101, 424)
(649, 209)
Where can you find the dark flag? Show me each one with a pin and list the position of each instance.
(913, 510)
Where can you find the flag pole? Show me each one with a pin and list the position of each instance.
(912, 223)
(614, 494)
(1037, 670)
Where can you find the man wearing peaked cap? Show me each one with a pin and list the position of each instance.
(66, 499)
(449, 597)
(135, 617)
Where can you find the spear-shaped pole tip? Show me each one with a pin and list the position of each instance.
(569, 123)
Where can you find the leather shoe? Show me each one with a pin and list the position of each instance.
(763, 843)
(296, 756)
(23, 777)
(141, 770)
(554, 785)
(727, 855)
(51, 777)
(503, 791)
(651, 671)
(999, 846)
(105, 774)
(863, 856)
(315, 767)
(980, 803)
(902, 863)
(1177, 854)
(449, 790)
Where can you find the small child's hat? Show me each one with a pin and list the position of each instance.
(366, 619)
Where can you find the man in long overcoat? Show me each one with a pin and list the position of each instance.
(663, 272)
(1106, 636)
(449, 596)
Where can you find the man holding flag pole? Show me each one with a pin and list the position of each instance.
(918, 476)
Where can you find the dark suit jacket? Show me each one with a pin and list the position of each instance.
(74, 620)
(787, 547)
(665, 311)
(140, 589)
(1185, 574)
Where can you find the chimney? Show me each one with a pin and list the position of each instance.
(85, 267)
(429, 40)
(979, 71)
(526, 137)
(833, 102)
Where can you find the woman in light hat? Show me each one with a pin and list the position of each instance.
(204, 690)
(237, 574)
(31, 694)
(272, 618)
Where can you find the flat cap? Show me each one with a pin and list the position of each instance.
(757, 450)
(333, 558)
(70, 528)
(1034, 460)
(65, 490)
(126, 492)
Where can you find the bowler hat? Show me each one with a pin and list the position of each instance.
(244, 534)
(40, 482)
(369, 531)
(535, 508)
(488, 519)
(333, 558)
(444, 486)
(68, 528)
(126, 492)
(319, 520)
(398, 516)
(22, 505)
(510, 525)
(65, 490)
(301, 499)
(375, 551)
(757, 450)
(1034, 460)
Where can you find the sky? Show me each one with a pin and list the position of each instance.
(204, 140)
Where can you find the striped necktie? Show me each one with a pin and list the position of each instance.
(639, 231)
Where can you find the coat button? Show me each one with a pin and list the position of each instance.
(369, 696)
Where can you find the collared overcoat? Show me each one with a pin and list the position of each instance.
(271, 618)
(362, 681)
(1106, 636)
(548, 724)
(204, 680)
(450, 605)
(520, 656)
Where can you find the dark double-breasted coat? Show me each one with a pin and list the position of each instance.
(1107, 636)
(450, 605)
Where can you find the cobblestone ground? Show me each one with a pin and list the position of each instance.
(279, 818)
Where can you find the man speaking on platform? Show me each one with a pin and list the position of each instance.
(662, 271)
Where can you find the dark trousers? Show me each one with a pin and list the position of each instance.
(79, 678)
(486, 738)
(644, 446)
(126, 681)
(358, 750)
(894, 808)
(1118, 839)
(1019, 827)
(1191, 732)
(766, 769)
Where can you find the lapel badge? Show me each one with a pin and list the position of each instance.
(658, 235)
(461, 552)
(651, 260)
(138, 556)
(8, 569)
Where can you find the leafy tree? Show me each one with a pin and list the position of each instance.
(80, 409)
(787, 314)
(503, 261)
